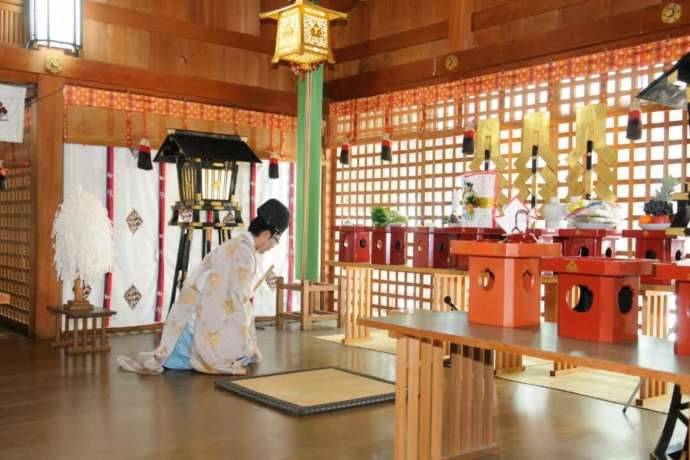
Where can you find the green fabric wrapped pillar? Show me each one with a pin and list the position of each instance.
(308, 231)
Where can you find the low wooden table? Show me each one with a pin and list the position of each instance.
(82, 337)
(466, 396)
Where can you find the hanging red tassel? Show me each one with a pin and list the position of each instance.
(634, 129)
(273, 167)
(3, 176)
(468, 140)
(144, 158)
(344, 157)
(386, 151)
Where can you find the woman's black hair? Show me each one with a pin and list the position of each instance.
(258, 225)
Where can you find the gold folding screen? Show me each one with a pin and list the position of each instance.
(427, 158)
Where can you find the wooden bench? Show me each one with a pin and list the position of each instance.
(458, 404)
(312, 297)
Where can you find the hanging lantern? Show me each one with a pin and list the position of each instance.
(634, 129)
(273, 167)
(56, 24)
(303, 36)
(468, 140)
(344, 153)
(386, 151)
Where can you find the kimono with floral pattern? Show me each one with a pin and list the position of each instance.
(217, 295)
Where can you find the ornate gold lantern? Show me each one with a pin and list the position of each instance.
(303, 33)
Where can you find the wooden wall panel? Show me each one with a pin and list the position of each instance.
(12, 22)
(493, 35)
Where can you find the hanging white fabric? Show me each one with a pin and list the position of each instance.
(12, 103)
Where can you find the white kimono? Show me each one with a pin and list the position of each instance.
(217, 297)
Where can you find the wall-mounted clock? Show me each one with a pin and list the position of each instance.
(671, 13)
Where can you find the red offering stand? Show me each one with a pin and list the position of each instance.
(597, 296)
(588, 243)
(388, 245)
(679, 272)
(656, 245)
(505, 281)
(355, 243)
(461, 261)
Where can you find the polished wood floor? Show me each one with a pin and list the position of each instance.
(54, 407)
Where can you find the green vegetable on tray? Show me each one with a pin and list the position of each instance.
(385, 216)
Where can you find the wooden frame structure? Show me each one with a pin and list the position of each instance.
(311, 296)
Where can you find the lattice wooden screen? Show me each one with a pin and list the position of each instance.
(425, 169)
(16, 219)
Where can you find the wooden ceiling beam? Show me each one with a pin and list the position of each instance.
(94, 73)
(109, 14)
(392, 42)
(621, 30)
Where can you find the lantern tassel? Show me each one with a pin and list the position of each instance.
(386, 148)
(144, 158)
(633, 131)
(468, 140)
(273, 168)
(344, 157)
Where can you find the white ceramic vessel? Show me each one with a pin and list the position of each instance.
(553, 213)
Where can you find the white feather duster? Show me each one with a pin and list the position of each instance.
(82, 239)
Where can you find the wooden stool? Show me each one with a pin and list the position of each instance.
(93, 338)
(311, 296)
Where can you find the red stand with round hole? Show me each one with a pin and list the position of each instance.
(505, 281)
(597, 296)
(461, 261)
(680, 272)
(588, 243)
(656, 245)
(354, 244)
(388, 245)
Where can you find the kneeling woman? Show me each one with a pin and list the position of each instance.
(210, 327)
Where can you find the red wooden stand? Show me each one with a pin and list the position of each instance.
(461, 261)
(505, 281)
(681, 274)
(587, 243)
(355, 242)
(432, 246)
(388, 245)
(656, 245)
(597, 297)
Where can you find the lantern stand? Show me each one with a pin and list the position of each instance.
(207, 168)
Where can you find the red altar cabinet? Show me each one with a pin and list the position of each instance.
(505, 281)
(656, 244)
(587, 243)
(679, 272)
(388, 245)
(354, 244)
(597, 296)
(461, 261)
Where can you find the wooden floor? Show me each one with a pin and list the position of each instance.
(53, 407)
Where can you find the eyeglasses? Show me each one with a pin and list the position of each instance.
(276, 237)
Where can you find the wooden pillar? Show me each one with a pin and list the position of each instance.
(551, 315)
(48, 193)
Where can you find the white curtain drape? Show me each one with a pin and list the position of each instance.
(135, 225)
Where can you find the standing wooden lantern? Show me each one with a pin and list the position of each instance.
(597, 297)
(505, 281)
(388, 245)
(588, 243)
(354, 244)
(656, 245)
